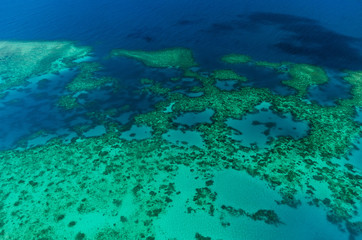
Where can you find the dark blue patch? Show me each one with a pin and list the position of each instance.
(306, 37)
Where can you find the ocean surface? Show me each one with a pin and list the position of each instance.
(173, 152)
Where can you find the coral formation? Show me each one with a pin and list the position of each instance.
(355, 79)
(227, 75)
(303, 76)
(173, 57)
(68, 102)
(236, 58)
(88, 78)
(22, 60)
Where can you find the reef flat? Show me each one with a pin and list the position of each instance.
(22, 60)
(133, 180)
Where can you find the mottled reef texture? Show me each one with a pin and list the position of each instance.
(22, 60)
(54, 191)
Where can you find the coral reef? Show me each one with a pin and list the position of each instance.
(88, 78)
(129, 185)
(236, 58)
(68, 102)
(303, 76)
(355, 79)
(228, 75)
(21, 60)
(173, 57)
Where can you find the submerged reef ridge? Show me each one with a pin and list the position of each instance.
(173, 57)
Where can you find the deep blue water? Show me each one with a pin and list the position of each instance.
(322, 32)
